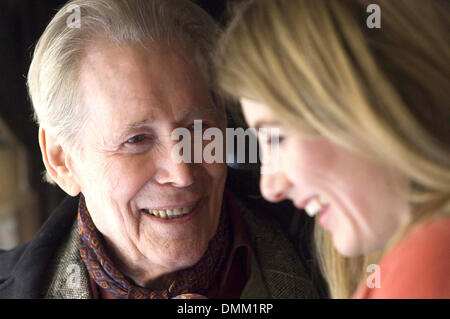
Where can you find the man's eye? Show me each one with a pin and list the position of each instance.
(139, 144)
(136, 139)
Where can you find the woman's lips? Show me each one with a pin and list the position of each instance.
(315, 205)
(302, 204)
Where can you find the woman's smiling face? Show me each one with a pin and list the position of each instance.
(358, 200)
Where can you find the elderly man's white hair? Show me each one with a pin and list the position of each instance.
(53, 74)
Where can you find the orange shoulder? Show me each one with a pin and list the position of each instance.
(418, 266)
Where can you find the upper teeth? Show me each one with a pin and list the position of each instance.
(314, 206)
(169, 213)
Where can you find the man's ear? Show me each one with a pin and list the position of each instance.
(58, 163)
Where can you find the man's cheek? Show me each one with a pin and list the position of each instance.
(124, 178)
(217, 171)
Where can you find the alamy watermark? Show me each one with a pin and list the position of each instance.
(73, 273)
(213, 152)
(74, 18)
(374, 279)
(374, 19)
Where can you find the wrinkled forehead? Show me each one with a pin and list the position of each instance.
(131, 83)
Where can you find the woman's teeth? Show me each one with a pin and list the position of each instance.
(169, 213)
(314, 207)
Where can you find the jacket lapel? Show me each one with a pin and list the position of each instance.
(69, 278)
(277, 270)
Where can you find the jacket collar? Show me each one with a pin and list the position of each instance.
(29, 263)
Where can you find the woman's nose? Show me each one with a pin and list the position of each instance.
(274, 187)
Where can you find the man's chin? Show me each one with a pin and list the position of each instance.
(178, 259)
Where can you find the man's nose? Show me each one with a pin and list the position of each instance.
(175, 174)
(274, 187)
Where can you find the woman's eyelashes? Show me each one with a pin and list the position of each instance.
(281, 139)
(275, 140)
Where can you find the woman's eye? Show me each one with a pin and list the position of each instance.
(276, 140)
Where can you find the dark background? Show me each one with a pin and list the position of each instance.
(21, 24)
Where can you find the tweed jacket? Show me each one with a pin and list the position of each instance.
(50, 265)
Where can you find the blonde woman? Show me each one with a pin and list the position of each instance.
(364, 132)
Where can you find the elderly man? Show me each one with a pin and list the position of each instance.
(108, 91)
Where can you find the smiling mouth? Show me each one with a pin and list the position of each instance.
(315, 206)
(169, 213)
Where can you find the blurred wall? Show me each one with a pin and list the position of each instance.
(19, 205)
(21, 23)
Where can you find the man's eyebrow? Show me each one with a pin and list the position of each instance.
(135, 125)
(212, 111)
(266, 123)
(128, 128)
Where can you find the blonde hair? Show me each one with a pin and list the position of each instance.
(383, 92)
(53, 75)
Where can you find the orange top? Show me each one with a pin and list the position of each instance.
(417, 267)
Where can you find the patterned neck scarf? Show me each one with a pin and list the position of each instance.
(197, 279)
